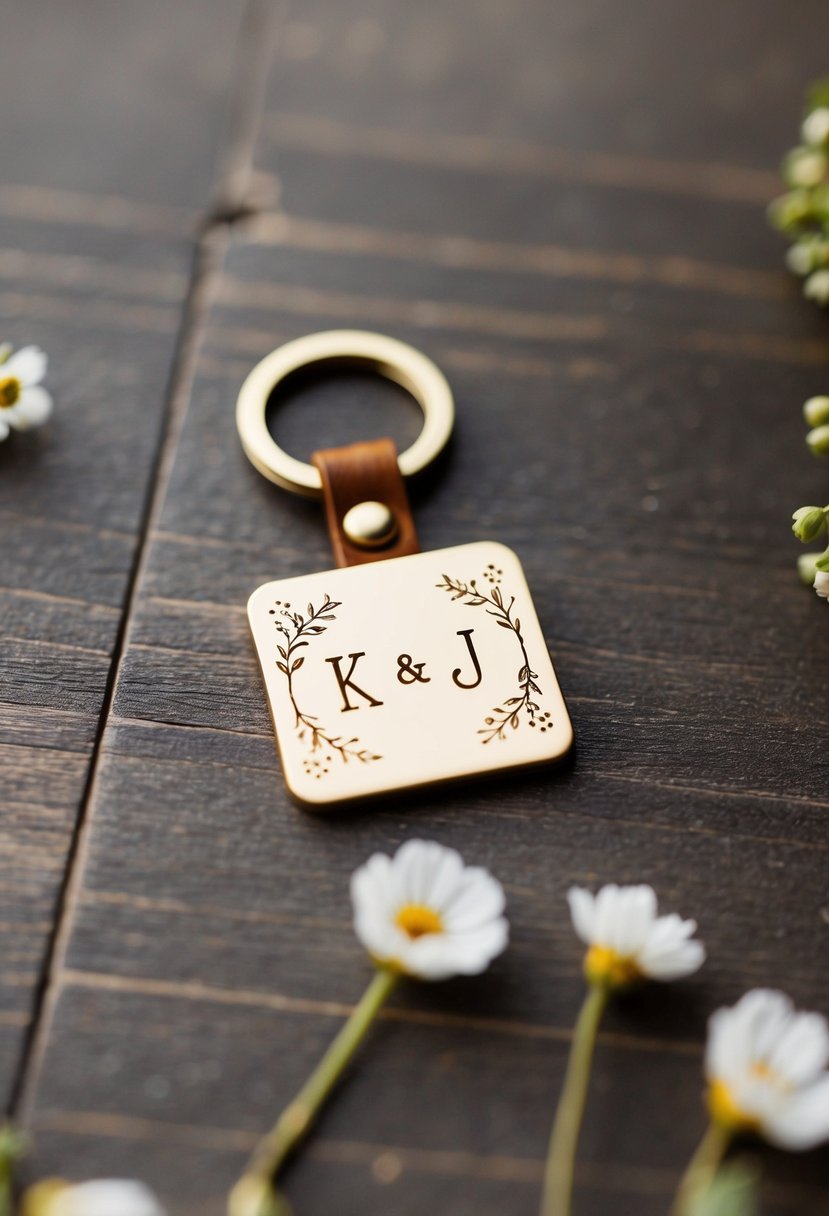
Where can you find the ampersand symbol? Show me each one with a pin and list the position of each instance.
(409, 672)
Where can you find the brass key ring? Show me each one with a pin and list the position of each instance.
(394, 360)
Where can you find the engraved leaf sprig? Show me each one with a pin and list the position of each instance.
(297, 629)
(508, 714)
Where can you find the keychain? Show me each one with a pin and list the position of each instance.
(399, 668)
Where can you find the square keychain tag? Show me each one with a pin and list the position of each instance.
(407, 673)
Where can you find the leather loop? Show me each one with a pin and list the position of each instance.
(365, 472)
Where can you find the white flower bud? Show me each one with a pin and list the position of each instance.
(804, 168)
(816, 411)
(818, 440)
(815, 129)
(821, 583)
(800, 258)
(809, 522)
(807, 568)
(816, 287)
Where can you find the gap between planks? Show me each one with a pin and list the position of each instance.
(246, 101)
(205, 268)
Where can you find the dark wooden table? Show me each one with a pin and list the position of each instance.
(563, 204)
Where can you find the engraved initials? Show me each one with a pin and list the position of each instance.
(346, 682)
(466, 634)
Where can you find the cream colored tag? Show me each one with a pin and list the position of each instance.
(407, 672)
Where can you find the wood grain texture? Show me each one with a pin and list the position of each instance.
(566, 213)
(98, 214)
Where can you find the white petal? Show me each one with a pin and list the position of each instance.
(442, 955)
(767, 1015)
(472, 953)
(373, 899)
(675, 964)
(28, 364)
(33, 409)
(727, 1054)
(417, 864)
(447, 877)
(801, 1122)
(802, 1052)
(668, 954)
(635, 917)
(105, 1198)
(605, 913)
(582, 911)
(746, 1034)
(372, 885)
(4, 427)
(477, 898)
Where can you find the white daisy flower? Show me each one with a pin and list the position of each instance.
(628, 941)
(425, 913)
(106, 1197)
(23, 402)
(766, 1069)
(821, 583)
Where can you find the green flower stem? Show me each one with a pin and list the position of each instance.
(297, 1118)
(561, 1158)
(11, 1149)
(702, 1169)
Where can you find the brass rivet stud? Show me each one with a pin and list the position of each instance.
(370, 525)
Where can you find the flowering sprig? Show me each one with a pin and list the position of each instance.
(808, 523)
(628, 943)
(422, 914)
(802, 213)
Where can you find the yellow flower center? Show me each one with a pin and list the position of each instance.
(416, 920)
(9, 391)
(605, 966)
(39, 1200)
(725, 1111)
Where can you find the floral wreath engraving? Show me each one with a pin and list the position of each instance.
(508, 714)
(321, 745)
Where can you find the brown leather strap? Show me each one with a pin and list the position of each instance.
(365, 472)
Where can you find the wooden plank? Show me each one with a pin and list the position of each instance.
(420, 1089)
(568, 216)
(98, 216)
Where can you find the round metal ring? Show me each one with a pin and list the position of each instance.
(395, 360)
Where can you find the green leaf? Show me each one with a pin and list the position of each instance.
(734, 1192)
